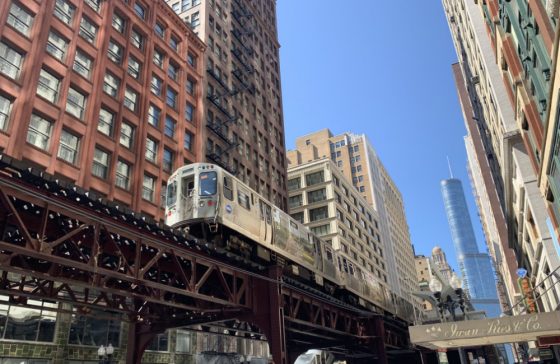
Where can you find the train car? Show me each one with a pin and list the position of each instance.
(214, 205)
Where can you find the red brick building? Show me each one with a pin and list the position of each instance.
(103, 93)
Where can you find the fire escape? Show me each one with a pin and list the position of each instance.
(242, 52)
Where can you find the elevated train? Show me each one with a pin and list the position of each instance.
(213, 204)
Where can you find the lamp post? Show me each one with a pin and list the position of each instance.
(101, 353)
(110, 351)
(449, 303)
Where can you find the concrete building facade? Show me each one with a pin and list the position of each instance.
(242, 127)
(503, 174)
(330, 206)
(358, 162)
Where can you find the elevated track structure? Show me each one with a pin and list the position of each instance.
(61, 243)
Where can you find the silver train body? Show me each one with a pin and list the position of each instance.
(208, 199)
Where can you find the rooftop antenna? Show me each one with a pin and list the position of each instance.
(449, 165)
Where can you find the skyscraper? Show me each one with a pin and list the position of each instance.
(476, 268)
(242, 127)
(357, 160)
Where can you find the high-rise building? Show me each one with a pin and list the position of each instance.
(324, 200)
(358, 162)
(242, 128)
(105, 94)
(503, 174)
(424, 274)
(440, 263)
(476, 268)
(90, 92)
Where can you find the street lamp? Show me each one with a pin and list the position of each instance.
(101, 352)
(110, 350)
(449, 303)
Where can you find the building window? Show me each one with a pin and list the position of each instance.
(88, 30)
(295, 201)
(10, 61)
(190, 86)
(130, 98)
(294, 184)
(188, 140)
(154, 114)
(148, 187)
(68, 148)
(76, 103)
(106, 122)
(158, 58)
(317, 195)
(321, 230)
(127, 135)
(318, 213)
(298, 216)
(151, 150)
(107, 330)
(173, 71)
(195, 19)
(174, 43)
(185, 5)
(171, 98)
(175, 7)
(160, 30)
(140, 10)
(134, 67)
(111, 84)
(57, 46)
(82, 64)
(28, 324)
(94, 4)
(170, 126)
(5, 108)
(20, 19)
(189, 112)
(64, 11)
(115, 52)
(191, 59)
(122, 175)
(39, 132)
(156, 85)
(100, 166)
(118, 23)
(314, 178)
(48, 86)
(137, 39)
(167, 160)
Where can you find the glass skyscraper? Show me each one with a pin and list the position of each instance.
(476, 268)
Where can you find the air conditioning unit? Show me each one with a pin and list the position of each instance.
(475, 79)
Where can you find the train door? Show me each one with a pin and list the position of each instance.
(187, 196)
(265, 212)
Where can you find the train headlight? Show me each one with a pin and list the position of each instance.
(201, 203)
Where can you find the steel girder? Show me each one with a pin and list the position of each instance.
(61, 243)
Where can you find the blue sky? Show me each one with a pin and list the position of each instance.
(382, 68)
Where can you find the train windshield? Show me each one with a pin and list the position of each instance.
(172, 193)
(208, 183)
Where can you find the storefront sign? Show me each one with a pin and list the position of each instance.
(498, 330)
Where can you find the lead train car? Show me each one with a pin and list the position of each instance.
(215, 205)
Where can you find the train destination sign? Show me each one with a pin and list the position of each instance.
(486, 332)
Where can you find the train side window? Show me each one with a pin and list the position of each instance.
(243, 200)
(261, 209)
(293, 225)
(268, 214)
(187, 186)
(171, 193)
(228, 188)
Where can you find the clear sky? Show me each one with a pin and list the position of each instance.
(382, 68)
